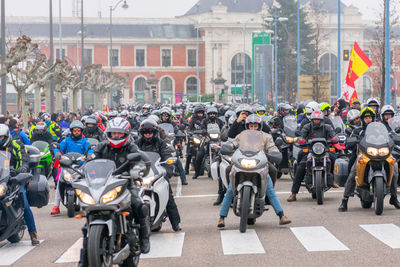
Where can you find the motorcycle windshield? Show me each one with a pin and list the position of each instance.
(167, 127)
(153, 158)
(337, 123)
(266, 118)
(394, 123)
(251, 141)
(290, 126)
(376, 134)
(212, 128)
(41, 145)
(93, 141)
(4, 165)
(97, 171)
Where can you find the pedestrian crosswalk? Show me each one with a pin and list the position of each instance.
(232, 242)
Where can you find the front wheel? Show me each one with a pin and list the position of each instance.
(379, 195)
(15, 238)
(244, 208)
(70, 206)
(319, 191)
(291, 169)
(99, 251)
(130, 262)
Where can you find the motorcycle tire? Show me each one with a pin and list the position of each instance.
(77, 207)
(379, 195)
(244, 208)
(15, 238)
(366, 204)
(313, 195)
(292, 172)
(319, 191)
(70, 207)
(279, 175)
(130, 262)
(99, 255)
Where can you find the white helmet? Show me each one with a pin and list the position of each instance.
(387, 109)
(352, 115)
(311, 107)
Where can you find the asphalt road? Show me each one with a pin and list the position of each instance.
(317, 236)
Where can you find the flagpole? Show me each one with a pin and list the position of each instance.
(387, 53)
(338, 54)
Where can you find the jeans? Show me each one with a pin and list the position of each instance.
(28, 215)
(181, 170)
(270, 192)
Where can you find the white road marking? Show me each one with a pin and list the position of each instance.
(235, 242)
(388, 234)
(10, 253)
(165, 246)
(178, 191)
(72, 254)
(197, 196)
(317, 238)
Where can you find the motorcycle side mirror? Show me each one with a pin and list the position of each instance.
(133, 156)
(66, 162)
(278, 142)
(21, 178)
(275, 157)
(351, 141)
(338, 130)
(397, 130)
(227, 149)
(396, 139)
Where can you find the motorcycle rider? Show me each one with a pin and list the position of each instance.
(242, 112)
(309, 109)
(195, 124)
(367, 116)
(315, 129)
(51, 123)
(277, 121)
(353, 121)
(150, 141)
(356, 104)
(19, 163)
(91, 129)
(374, 105)
(74, 143)
(387, 113)
(254, 123)
(325, 108)
(17, 133)
(41, 133)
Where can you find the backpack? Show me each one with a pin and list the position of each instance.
(17, 137)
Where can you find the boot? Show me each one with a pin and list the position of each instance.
(34, 239)
(144, 233)
(292, 198)
(284, 220)
(335, 185)
(343, 206)
(221, 223)
(219, 200)
(395, 202)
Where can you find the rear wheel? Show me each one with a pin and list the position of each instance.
(70, 206)
(15, 238)
(319, 191)
(244, 208)
(379, 195)
(99, 251)
(291, 169)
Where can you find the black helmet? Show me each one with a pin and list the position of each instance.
(282, 108)
(148, 126)
(228, 114)
(199, 108)
(367, 112)
(4, 131)
(243, 108)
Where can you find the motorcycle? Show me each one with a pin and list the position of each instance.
(67, 177)
(341, 167)
(374, 165)
(318, 178)
(12, 204)
(213, 140)
(45, 166)
(156, 191)
(249, 175)
(394, 124)
(105, 196)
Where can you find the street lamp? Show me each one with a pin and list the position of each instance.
(3, 57)
(124, 6)
(275, 19)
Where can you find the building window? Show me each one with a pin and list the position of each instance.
(140, 54)
(191, 86)
(192, 57)
(140, 85)
(114, 58)
(166, 90)
(166, 57)
(57, 55)
(238, 69)
(87, 56)
(366, 88)
(328, 66)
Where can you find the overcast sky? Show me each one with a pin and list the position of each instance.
(137, 8)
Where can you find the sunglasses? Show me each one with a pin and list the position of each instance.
(77, 130)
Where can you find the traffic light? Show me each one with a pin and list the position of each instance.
(222, 92)
(346, 55)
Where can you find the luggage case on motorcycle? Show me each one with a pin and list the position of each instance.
(38, 191)
(341, 170)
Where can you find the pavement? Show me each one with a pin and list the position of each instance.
(317, 236)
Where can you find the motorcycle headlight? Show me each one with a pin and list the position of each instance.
(111, 195)
(2, 190)
(67, 175)
(384, 151)
(318, 148)
(372, 151)
(196, 140)
(214, 136)
(85, 197)
(248, 163)
(146, 182)
(290, 139)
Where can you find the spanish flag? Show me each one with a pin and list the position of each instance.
(359, 63)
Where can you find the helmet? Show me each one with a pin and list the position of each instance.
(76, 124)
(282, 107)
(258, 109)
(242, 108)
(165, 110)
(154, 118)
(199, 108)
(112, 114)
(119, 125)
(372, 102)
(212, 110)
(229, 114)
(387, 109)
(300, 109)
(252, 119)
(324, 106)
(367, 112)
(91, 120)
(317, 115)
(124, 113)
(310, 108)
(83, 119)
(44, 115)
(232, 119)
(147, 106)
(155, 112)
(41, 126)
(148, 126)
(352, 115)
(4, 131)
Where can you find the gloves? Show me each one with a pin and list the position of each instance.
(22, 169)
(57, 156)
(13, 172)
